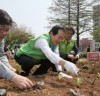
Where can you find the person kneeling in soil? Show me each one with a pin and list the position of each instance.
(43, 50)
(68, 48)
(6, 70)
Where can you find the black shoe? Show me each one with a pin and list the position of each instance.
(3, 92)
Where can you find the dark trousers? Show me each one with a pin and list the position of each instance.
(27, 64)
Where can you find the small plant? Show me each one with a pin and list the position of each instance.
(19, 68)
(92, 83)
(78, 82)
(85, 79)
(60, 76)
(98, 75)
(85, 66)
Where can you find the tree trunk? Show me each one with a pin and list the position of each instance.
(69, 13)
(77, 20)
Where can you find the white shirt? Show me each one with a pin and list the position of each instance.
(52, 56)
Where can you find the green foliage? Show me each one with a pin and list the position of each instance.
(78, 82)
(86, 66)
(75, 13)
(96, 34)
(19, 68)
(60, 76)
(98, 75)
(84, 51)
(19, 35)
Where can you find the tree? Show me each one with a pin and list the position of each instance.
(76, 13)
(96, 34)
(19, 35)
(96, 23)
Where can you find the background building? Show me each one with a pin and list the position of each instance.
(95, 44)
(84, 43)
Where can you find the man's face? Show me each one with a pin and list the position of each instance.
(68, 35)
(4, 31)
(56, 39)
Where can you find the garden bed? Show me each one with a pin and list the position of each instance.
(89, 84)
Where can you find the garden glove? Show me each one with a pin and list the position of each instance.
(71, 67)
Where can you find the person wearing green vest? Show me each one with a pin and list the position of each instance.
(43, 50)
(68, 48)
(7, 72)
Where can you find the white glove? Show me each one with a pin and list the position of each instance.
(60, 75)
(71, 67)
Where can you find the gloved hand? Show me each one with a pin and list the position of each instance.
(61, 75)
(71, 67)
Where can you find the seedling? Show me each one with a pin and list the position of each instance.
(19, 68)
(98, 75)
(92, 83)
(86, 67)
(60, 76)
(78, 82)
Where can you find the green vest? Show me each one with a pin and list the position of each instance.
(65, 46)
(29, 48)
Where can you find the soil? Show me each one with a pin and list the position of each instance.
(89, 86)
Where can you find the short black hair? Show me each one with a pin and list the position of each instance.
(5, 18)
(70, 29)
(55, 29)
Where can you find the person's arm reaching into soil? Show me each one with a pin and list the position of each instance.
(6, 72)
(20, 81)
(54, 58)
